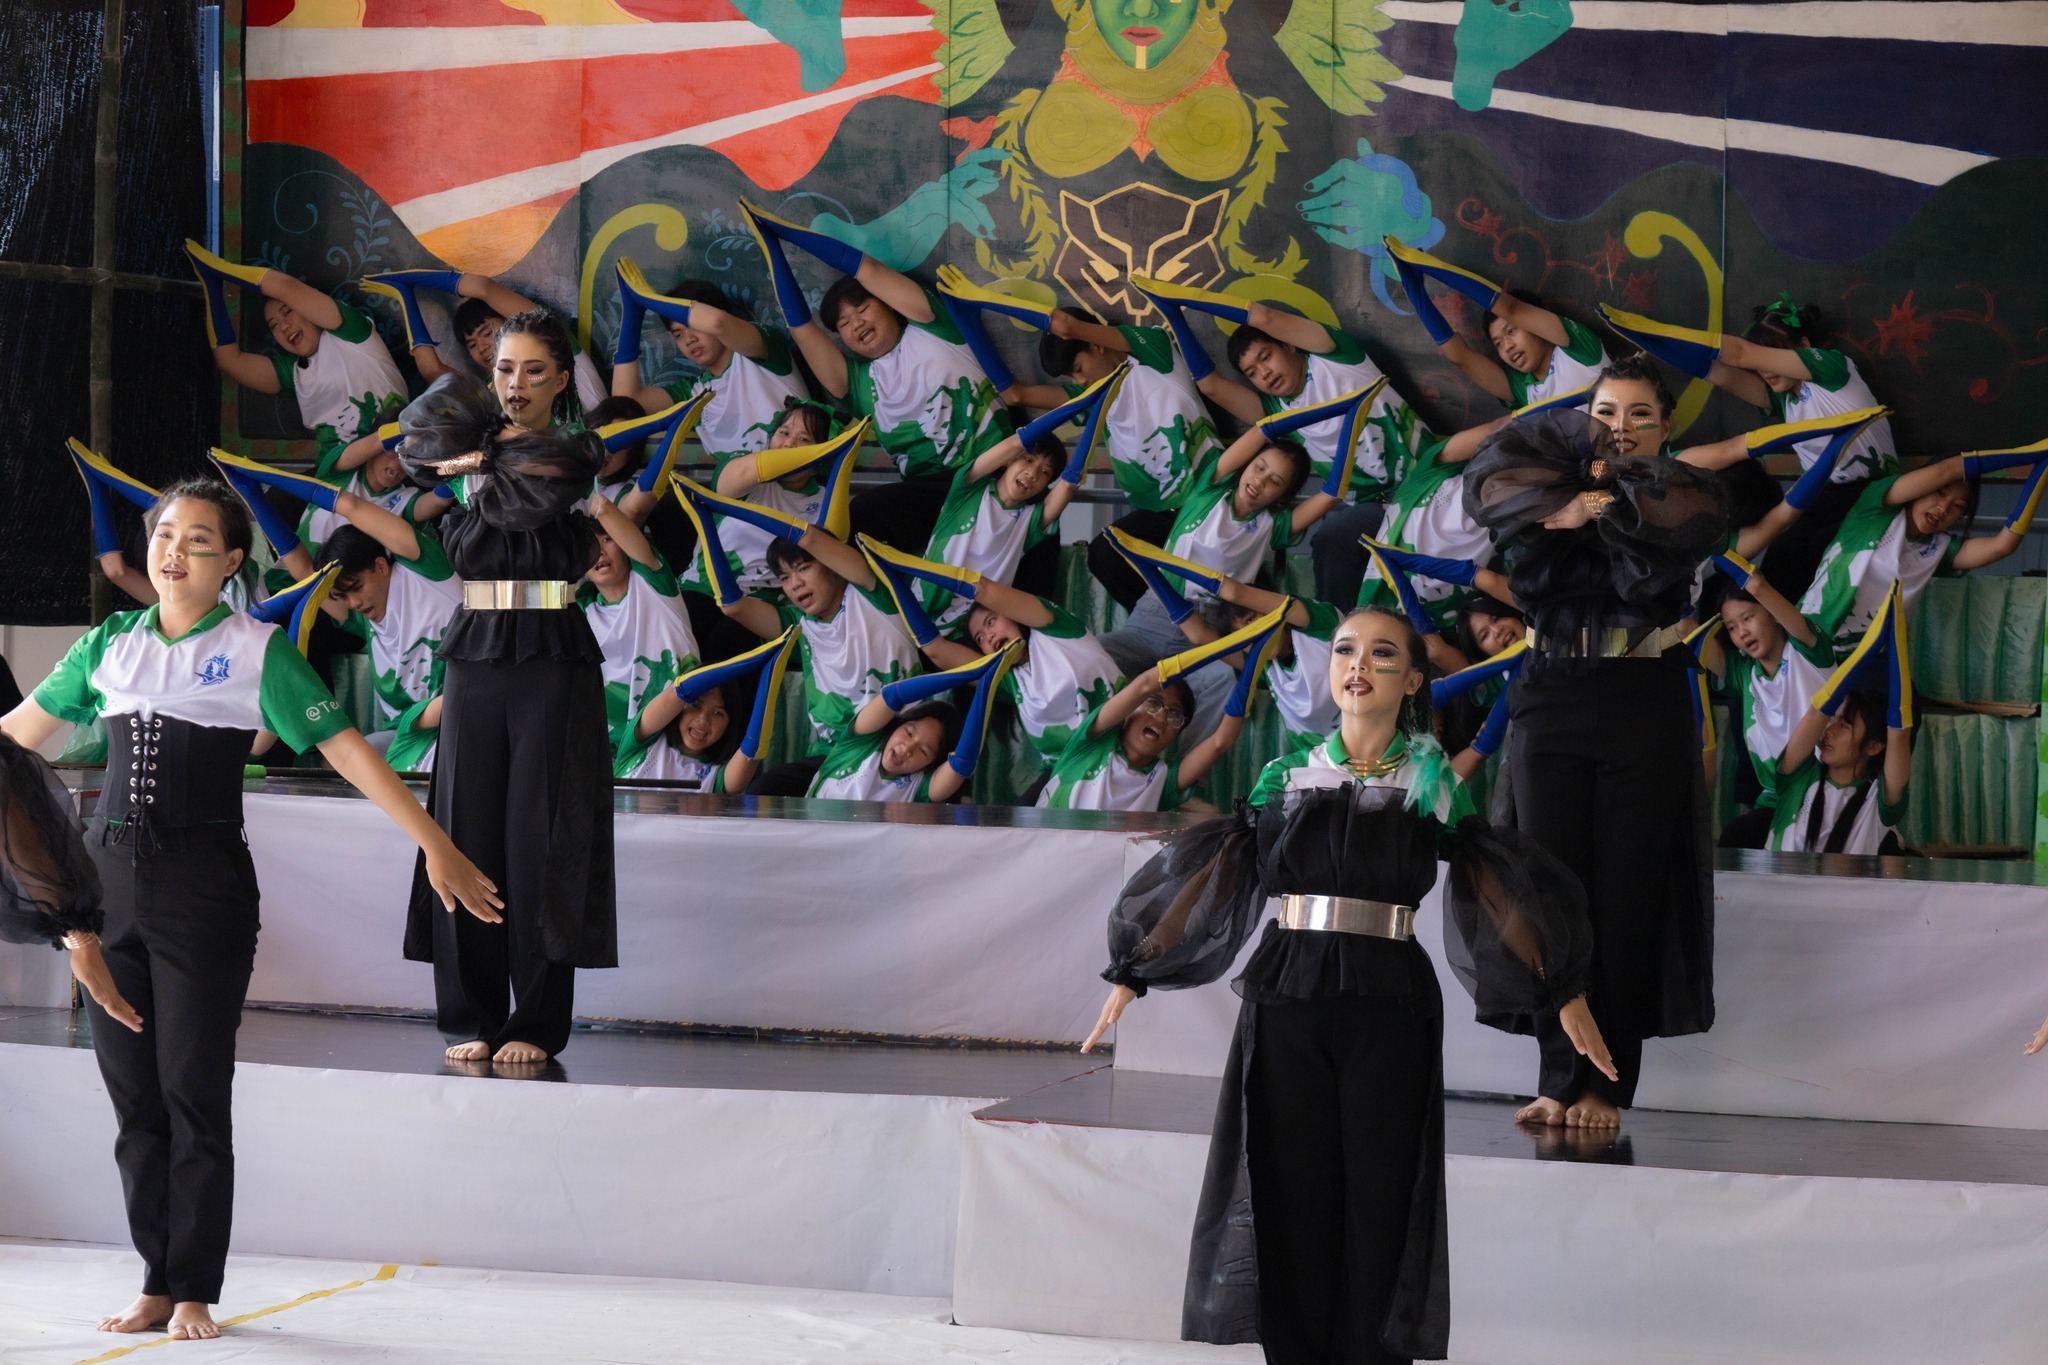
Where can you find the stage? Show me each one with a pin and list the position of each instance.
(1039, 1191)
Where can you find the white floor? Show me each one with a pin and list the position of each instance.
(52, 1292)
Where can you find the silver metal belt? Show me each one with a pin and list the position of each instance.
(516, 594)
(1345, 915)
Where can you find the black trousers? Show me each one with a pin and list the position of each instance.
(901, 514)
(1337, 1100)
(1111, 569)
(504, 734)
(180, 941)
(1601, 761)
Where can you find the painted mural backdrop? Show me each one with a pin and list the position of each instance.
(1688, 161)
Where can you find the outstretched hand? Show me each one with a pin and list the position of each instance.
(1577, 1020)
(1112, 1010)
(90, 967)
(2040, 1040)
(455, 878)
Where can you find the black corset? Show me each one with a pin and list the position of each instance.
(165, 773)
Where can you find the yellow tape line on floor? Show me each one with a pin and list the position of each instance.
(383, 1273)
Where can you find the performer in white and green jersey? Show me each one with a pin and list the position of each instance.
(634, 605)
(367, 468)
(1299, 675)
(1009, 500)
(186, 687)
(397, 591)
(685, 733)
(1293, 362)
(855, 642)
(1061, 673)
(906, 364)
(750, 370)
(907, 744)
(334, 363)
(1158, 429)
(1772, 663)
(1842, 779)
(1124, 756)
(1907, 528)
(1537, 354)
(801, 423)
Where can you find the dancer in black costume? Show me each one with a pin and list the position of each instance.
(1321, 1232)
(184, 686)
(1603, 754)
(523, 777)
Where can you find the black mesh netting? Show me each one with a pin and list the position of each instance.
(166, 394)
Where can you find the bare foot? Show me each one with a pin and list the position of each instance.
(519, 1054)
(1547, 1112)
(148, 1313)
(1590, 1111)
(475, 1050)
(194, 1322)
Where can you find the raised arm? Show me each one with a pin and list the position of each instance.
(1195, 764)
(1304, 334)
(624, 532)
(388, 529)
(1114, 712)
(896, 289)
(1259, 601)
(836, 555)
(1065, 324)
(1239, 400)
(1311, 510)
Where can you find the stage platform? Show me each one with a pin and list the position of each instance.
(1042, 1191)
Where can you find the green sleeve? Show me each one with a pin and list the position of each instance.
(296, 705)
(679, 389)
(786, 612)
(1172, 794)
(1580, 343)
(1151, 347)
(1280, 527)
(878, 596)
(355, 327)
(941, 325)
(860, 387)
(777, 358)
(1821, 653)
(1345, 349)
(327, 453)
(287, 369)
(1273, 777)
(1323, 620)
(1461, 804)
(431, 563)
(1064, 624)
(658, 576)
(1518, 387)
(358, 625)
(1830, 369)
(1792, 790)
(1886, 811)
(68, 693)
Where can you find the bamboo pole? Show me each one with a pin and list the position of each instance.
(93, 275)
(106, 166)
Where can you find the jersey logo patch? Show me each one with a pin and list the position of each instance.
(215, 672)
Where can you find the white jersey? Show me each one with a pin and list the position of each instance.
(1346, 369)
(746, 400)
(851, 657)
(1065, 675)
(1837, 387)
(1301, 690)
(746, 545)
(646, 640)
(664, 762)
(405, 643)
(1158, 431)
(348, 381)
(934, 407)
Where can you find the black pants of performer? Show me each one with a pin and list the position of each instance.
(901, 514)
(1337, 1099)
(1602, 762)
(504, 729)
(1752, 829)
(1111, 569)
(180, 942)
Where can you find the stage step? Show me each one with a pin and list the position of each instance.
(810, 1164)
(1685, 1238)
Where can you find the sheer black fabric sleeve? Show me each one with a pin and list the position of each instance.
(1531, 468)
(48, 885)
(1183, 918)
(1516, 932)
(524, 479)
